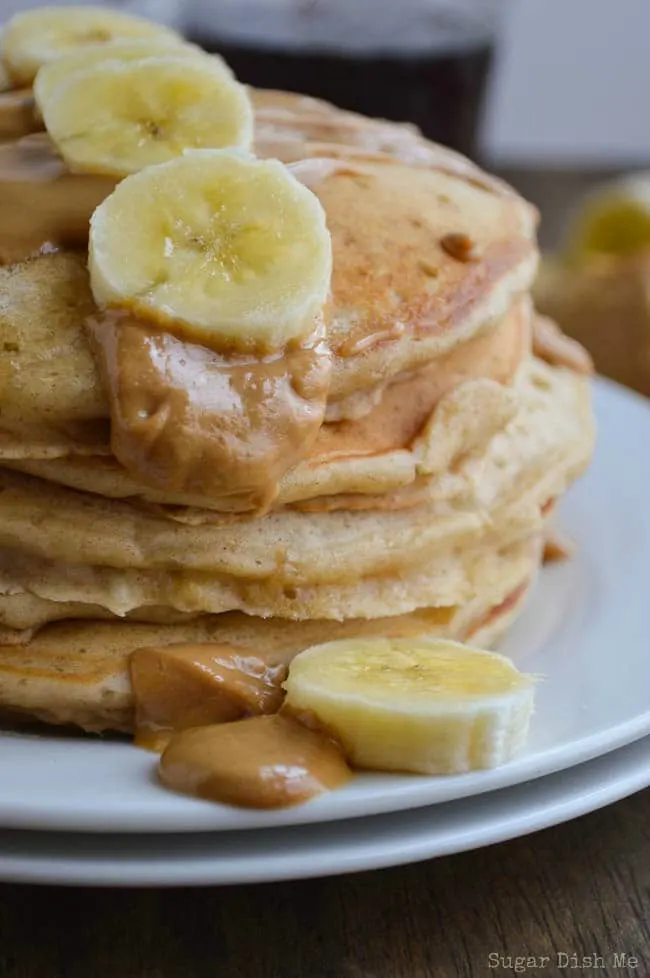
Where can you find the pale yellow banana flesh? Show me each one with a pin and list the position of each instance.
(119, 117)
(219, 246)
(427, 706)
(36, 37)
(56, 73)
(613, 221)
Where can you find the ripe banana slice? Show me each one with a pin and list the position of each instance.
(615, 220)
(118, 117)
(51, 76)
(36, 37)
(216, 246)
(428, 706)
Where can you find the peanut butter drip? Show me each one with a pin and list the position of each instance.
(43, 205)
(188, 419)
(17, 114)
(180, 686)
(264, 762)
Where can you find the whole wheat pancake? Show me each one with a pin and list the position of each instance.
(398, 297)
(501, 489)
(77, 672)
(22, 614)
(294, 127)
(371, 455)
(450, 577)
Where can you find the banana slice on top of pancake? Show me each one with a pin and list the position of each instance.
(51, 76)
(216, 246)
(118, 117)
(426, 705)
(613, 221)
(35, 37)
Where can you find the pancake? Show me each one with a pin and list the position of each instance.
(419, 509)
(22, 614)
(373, 454)
(77, 672)
(293, 127)
(451, 576)
(38, 441)
(47, 372)
(398, 298)
(534, 458)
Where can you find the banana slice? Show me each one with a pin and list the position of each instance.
(51, 76)
(36, 37)
(119, 117)
(615, 220)
(428, 706)
(217, 247)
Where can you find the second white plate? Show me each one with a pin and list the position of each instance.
(586, 630)
(328, 849)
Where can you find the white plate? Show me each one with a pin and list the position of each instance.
(587, 629)
(326, 849)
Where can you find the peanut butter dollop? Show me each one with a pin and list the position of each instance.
(264, 762)
(180, 686)
(18, 115)
(188, 419)
(43, 204)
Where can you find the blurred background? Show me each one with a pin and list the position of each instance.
(548, 93)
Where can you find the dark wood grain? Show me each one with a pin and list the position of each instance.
(581, 888)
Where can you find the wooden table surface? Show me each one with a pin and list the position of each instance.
(577, 889)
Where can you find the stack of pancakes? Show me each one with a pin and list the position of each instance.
(420, 508)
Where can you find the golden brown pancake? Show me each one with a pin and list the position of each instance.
(372, 454)
(77, 672)
(450, 576)
(296, 127)
(500, 489)
(421, 507)
(398, 298)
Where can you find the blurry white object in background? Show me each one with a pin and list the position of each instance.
(570, 85)
(411, 27)
(171, 12)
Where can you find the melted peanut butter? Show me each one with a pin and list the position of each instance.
(180, 686)
(407, 403)
(43, 204)
(557, 547)
(17, 114)
(264, 762)
(355, 346)
(188, 419)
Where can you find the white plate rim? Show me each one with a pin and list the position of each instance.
(376, 842)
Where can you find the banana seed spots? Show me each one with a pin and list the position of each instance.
(150, 130)
(95, 35)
